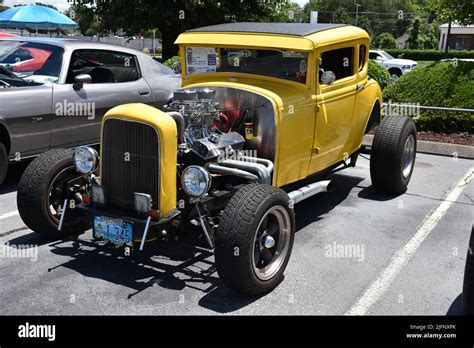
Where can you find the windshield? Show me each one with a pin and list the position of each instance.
(386, 55)
(33, 63)
(287, 65)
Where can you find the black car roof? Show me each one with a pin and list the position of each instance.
(292, 29)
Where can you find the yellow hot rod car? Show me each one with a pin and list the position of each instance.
(266, 111)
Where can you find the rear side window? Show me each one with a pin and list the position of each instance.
(373, 56)
(362, 57)
(340, 62)
(104, 66)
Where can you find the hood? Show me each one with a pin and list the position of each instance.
(282, 95)
(401, 62)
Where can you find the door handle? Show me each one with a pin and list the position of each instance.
(360, 88)
(144, 92)
(37, 119)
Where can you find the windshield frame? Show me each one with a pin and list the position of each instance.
(222, 75)
(386, 55)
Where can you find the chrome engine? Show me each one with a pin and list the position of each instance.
(200, 131)
(199, 110)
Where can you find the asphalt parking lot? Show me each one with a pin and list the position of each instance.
(355, 252)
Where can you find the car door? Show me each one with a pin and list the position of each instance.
(335, 105)
(26, 111)
(116, 80)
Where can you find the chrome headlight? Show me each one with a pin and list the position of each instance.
(196, 181)
(406, 67)
(86, 160)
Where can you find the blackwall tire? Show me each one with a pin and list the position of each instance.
(254, 240)
(393, 155)
(41, 193)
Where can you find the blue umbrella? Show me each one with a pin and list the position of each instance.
(36, 17)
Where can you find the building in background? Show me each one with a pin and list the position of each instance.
(402, 41)
(461, 37)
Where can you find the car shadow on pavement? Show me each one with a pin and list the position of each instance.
(169, 266)
(31, 239)
(15, 171)
(165, 266)
(313, 209)
(370, 194)
(176, 267)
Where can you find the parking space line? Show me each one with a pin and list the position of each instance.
(405, 254)
(9, 215)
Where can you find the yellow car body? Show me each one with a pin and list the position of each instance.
(317, 126)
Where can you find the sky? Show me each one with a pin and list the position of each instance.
(63, 4)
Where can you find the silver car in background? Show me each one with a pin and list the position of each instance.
(54, 93)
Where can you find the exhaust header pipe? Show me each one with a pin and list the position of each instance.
(309, 191)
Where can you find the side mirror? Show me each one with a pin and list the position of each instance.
(80, 80)
(327, 78)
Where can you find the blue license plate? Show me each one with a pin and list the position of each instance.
(117, 231)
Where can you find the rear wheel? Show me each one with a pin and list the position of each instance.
(254, 239)
(393, 155)
(3, 162)
(43, 189)
(395, 74)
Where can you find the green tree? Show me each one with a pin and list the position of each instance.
(341, 16)
(2, 7)
(364, 23)
(85, 17)
(461, 11)
(388, 16)
(173, 17)
(430, 38)
(46, 5)
(414, 40)
(289, 12)
(385, 40)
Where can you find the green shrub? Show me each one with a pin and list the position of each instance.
(429, 55)
(385, 40)
(170, 62)
(443, 84)
(379, 74)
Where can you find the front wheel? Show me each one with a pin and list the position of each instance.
(255, 239)
(393, 155)
(42, 191)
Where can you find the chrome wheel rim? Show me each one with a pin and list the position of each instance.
(271, 243)
(57, 194)
(408, 159)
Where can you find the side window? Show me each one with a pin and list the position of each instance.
(104, 66)
(362, 57)
(373, 56)
(340, 62)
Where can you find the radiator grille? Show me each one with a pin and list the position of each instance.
(130, 162)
